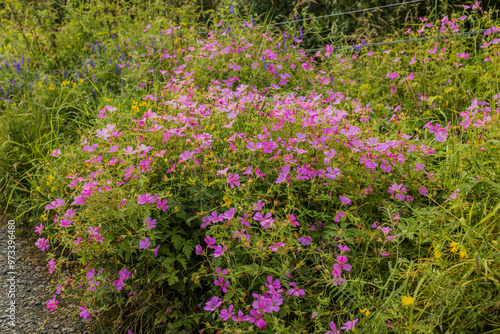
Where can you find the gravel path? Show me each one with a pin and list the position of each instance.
(30, 288)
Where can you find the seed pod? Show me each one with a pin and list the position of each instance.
(477, 265)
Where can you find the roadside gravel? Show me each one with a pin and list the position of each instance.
(32, 281)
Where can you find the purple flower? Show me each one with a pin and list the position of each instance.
(276, 301)
(241, 317)
(219, 250)
(233, 180)
(213, 303)
(57, 203)
(265, 221)
(349, 325)
(419, 167)
(52, 304)
(423, 191)
(295, 290)
(42, 243)
(155, 250)
(220, 282)
(198, 249)
(84, 313)
(119, 284)
(39, 228)
(150, 223)
(304, 241)
(256, 319)
(226, 314)
(56, 153)
(210, 241)
(262, 304)
(275, 246)
(143, 244)
(146, 198)
(333, 328)
(345, 200)
(124, 274)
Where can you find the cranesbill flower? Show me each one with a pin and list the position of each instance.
(241, 317)
(124, 274)
(275, 246)
(84, 313)
(256, 319)
(345, 200)
(198, 250)
(295, 291)
(349, 325)
(304, 241)
(333, 328)
(150, 223)
(42, 243)
(226, 314)
(219, 250)
(155, 250)
(143, 244)
(39, 228)
(213, 303)
(52, 304)
(210, 241)
(423, 191)
(56, 153)
(233, 180)
(220, 282)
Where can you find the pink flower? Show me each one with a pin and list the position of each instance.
(52, 304)
(295, 290)
(219, 250)
(213, 303)
(333, 328)
(155, 250)
(198, 250)
(84, 313)
(143, 244)
(220, 282)
(277, 245)
(345, 200)
(39, 228)
(210, 241)
(423, 191)
(42, 243)
(233, 180)
(304, 241)
(226, 314)
(392, 75)
(419, 167)
(349, 325)
(56, 153)
(241, 317)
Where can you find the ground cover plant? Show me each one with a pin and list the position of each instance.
(229, 181)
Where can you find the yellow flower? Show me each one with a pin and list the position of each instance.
(463, 253)
(51, 178)
(437, 253)
(407, 300)
(82, 81)
(52, 189)
(365, 311)
(454, 246)
(44, 217)
(38, 188)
